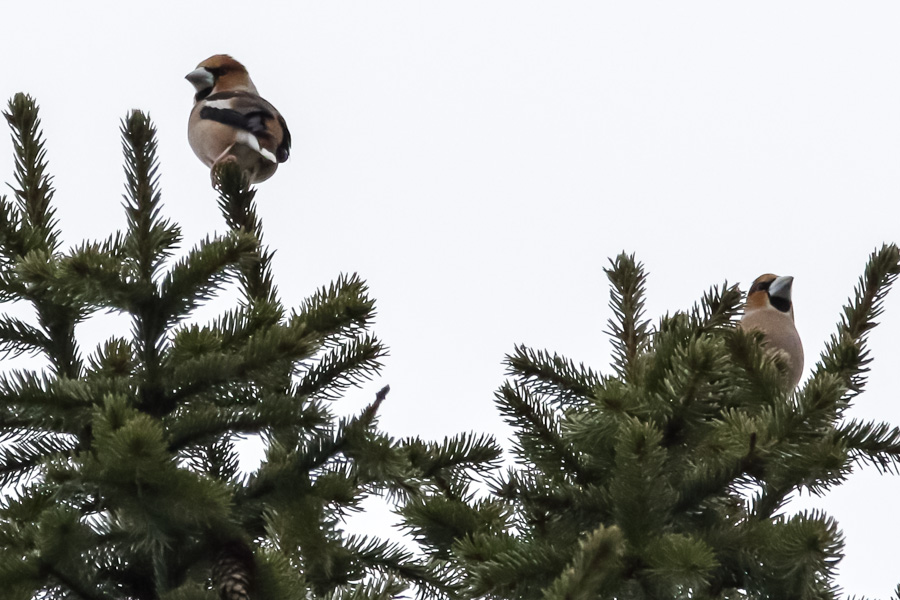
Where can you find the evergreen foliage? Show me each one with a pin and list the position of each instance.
(670, 477)
(120, 469)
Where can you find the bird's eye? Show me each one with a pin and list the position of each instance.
(760, 286)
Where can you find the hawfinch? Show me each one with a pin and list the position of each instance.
(769, 310)
(231, 123)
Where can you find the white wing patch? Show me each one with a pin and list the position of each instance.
(248, 139)
(224, 103)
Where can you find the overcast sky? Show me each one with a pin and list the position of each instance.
(478, 162)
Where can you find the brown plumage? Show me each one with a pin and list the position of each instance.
(231, 122)
(769, 310)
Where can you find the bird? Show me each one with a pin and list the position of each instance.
(230, 122)
(769, 310)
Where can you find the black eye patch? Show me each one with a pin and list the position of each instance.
(760, 286)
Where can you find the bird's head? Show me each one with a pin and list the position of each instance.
(220, 73)
(771, 291)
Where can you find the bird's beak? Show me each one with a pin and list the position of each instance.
(201, 79)
(781, 287)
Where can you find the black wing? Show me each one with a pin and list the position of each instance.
(284, 148)
(244, 111)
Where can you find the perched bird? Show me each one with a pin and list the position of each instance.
(769, 310)
(230, 122)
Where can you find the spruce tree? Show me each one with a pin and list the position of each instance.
(671, 476)
(119, 469)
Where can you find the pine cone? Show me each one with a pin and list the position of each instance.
(232, 573)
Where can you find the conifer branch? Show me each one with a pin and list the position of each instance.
(29, 230)
(552, 375)
(12, 247)
(19, 579)
(383, 589)
(694, 389)
(386, 557)
(59, 323)
(480, 453)
(203, 271)
(340, 368)
(721, 461)
(29, 401)
(294, 467)
(804, 552)
(263, 352)
(803, 448)
(147, 244)
(150, 238)
(300, 462)
(667, 453)
(35, 188)
(595, 570)
(367, 417)
(758, 375)
(89, 274)
(877, 444)
(70, 581)
(718, 307)
(27, 388)
(538, 433)
(770, 500)
(114, 360)
(628, 330)
(640, 493)
(340, 310)
(18, 337)
(228, 333)
(845, 354)
(19, 459)
(540, 497)
(521, 568)
(678, 562)
(670, 337)
(237, 206)
(136, 474)
(217, 458)
(197, 424)
(443, 468)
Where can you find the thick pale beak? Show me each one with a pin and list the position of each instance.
(201, 79)
(781, 287)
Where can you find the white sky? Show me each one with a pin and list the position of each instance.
(478, 162)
